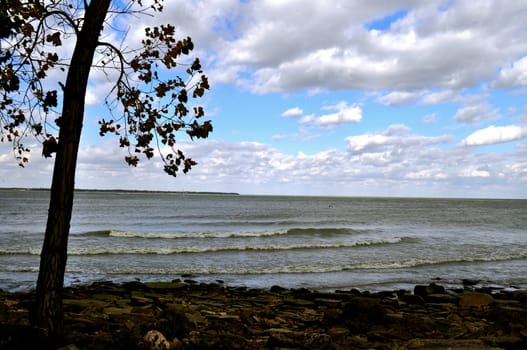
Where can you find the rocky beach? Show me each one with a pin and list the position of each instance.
(189, 315)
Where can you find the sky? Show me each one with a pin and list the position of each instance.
(402, 98)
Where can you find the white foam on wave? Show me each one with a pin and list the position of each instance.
(168, 250)
(309, 232)
(183, 235)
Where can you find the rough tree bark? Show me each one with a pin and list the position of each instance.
(49, 312)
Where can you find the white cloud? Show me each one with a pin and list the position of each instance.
(268, 46)
(436, 52)
(398, 98)
(449, 47)
(514, 75)
(293, 112)
(476, 113)
(394, 140)
(495, 134)
(392, 162)
(430, 118)
(308, 119)
(434, 98)
(345, 114)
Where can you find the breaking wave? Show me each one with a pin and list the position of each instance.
(141, 250)
(311, 232)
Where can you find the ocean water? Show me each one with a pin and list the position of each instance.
(323, 243)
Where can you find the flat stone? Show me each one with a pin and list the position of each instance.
(450, 344)
(140, 301)
(117, 310)
(474, 300)
(441, 298)
(165, 285)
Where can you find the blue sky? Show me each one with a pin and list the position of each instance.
(354, 98)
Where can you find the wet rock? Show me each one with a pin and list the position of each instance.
(509, 314)
(432, 288)
(110, 316)
(137, 300)
(470, 282)
(520, 295)
(69, 347)
(451, 344)
(362, 312)
(277, 289)
(476, 301)
(441, 299)
(507, 342)
(117, 310)
(412, 299)
(21, 337)
(166, 286)
(285, 338)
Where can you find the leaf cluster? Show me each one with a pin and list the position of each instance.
(149, 104)
(28, 45)
(155, 102)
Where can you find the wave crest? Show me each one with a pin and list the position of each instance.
(141, 250)
(310, 232)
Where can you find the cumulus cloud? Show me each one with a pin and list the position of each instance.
(398, 98)
(495, 134)
(344, 114)
(430, 45)
(269, 46)
(395, 139)
(476, 113)
(374, 164)
(293, 112)
(431, 53)
(437, 97)
(513, 75)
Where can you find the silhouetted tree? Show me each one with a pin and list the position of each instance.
(42, 94)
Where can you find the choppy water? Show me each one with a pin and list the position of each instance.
(260, 241)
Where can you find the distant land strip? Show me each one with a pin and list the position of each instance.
(126, 191)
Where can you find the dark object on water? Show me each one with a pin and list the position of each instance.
(470, 282)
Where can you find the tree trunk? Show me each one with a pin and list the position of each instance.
(48, 311)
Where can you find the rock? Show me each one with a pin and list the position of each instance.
(509, 314)
(136, 300)
(412, 299)
(297, 301)
(175, 318)
(333, 316)
(432, 288)
(362, 312)
(451, 344)
(441, 299)
(476, 301)
(520, 295)
(285, 338)
(21, 337)
(69, 347)
(277, 289)
(470, 282)
(117, 310)
(155, 340)
(110, 316)
(508, 342)
(165, 286)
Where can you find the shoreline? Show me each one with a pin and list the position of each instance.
(108, 315)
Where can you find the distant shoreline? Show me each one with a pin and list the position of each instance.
(126, 191)
(36, 189)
